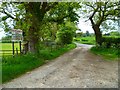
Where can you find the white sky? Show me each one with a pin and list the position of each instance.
(2, 33)
(85, 26)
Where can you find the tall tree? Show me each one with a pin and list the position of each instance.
(34, 13)
(101, 11)
(37, 10)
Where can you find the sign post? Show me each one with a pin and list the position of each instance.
(20, 46)
(13, 48)
(17, 36)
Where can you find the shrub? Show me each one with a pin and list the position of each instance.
(65, 37)
(111, 41)
(66, 33)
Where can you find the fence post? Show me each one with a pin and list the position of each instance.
(20, 46)
(17, 51)
(13, 48)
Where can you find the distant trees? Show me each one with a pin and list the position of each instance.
(6, 39)
(87, 33)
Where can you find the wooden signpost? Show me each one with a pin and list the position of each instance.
(16, 37)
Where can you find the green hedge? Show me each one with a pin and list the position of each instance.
(111, 42)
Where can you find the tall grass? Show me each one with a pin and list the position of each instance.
(15, 66)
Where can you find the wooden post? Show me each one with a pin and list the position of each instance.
(17, 51)
(20, 46)
(13, 48)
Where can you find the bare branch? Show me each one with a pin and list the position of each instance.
(91, 17)
(9, 15)
(90, 5)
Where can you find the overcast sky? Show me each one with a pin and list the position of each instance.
(85, 26)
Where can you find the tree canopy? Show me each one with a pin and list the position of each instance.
(31, 16)
(38, 18)
(99, 13)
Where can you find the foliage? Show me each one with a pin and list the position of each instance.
(13, 67)
(87, 33)
(79, 34)
(114, 33)
(107, 53)
(47, 53)
(48, 31)
(109, 25)
(6, 39)
(64, 11)
(111, 42)
(32, 16)
(103, 10)
(100, 12)
(66, 33)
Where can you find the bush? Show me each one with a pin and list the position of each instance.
(65, 37)
(66, 33)
(111, 42)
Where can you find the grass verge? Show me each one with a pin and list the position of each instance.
(14, 67)
(106, 53)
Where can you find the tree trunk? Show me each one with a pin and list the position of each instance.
(35, 12)
(98, 34)
(33, 40)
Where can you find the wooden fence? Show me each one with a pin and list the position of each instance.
(14, 51)
(9, 52)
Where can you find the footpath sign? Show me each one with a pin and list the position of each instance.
(17, 35)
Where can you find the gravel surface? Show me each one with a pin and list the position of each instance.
(77, 68)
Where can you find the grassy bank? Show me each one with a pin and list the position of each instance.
(106, 53)
(86, 40)
(14, 67)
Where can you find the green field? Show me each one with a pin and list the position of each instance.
(8, 46)
(86, 40)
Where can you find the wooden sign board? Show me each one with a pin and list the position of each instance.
(17, 35)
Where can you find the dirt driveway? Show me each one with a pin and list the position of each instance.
(76, 69)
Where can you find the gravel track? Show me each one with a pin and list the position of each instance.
(77, 68)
